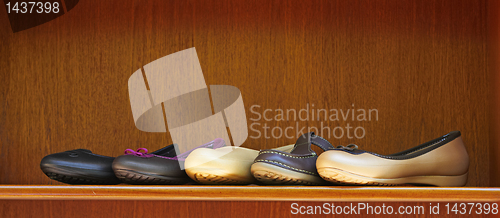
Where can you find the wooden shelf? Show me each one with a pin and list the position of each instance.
(247, 193)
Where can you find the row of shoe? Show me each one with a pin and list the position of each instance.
(440, 162)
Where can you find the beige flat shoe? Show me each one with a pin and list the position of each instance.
(441, 162)
(226, 165)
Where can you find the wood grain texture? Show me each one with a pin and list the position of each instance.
(494, 68)
(220, 201)
(133, 208)
(249, 193)
(422, 64)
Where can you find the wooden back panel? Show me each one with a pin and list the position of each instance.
(421, 64)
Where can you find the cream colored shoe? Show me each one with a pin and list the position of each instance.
(440, 162)
(226, 165)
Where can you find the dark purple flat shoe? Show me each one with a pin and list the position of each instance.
(139, 167)
(297, 167)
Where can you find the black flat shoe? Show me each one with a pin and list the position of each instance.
(82, 167)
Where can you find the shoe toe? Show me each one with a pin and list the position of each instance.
(80, 164)
(339, 159)
(78, 160)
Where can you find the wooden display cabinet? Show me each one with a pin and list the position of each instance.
(429, 67)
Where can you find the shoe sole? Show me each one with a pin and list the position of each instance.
(72, 177)
(205, 177)
(274, 175)
(346, 178)
(137, 178)
(216, 177)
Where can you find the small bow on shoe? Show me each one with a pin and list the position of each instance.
(138, 152)
(350, 147)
